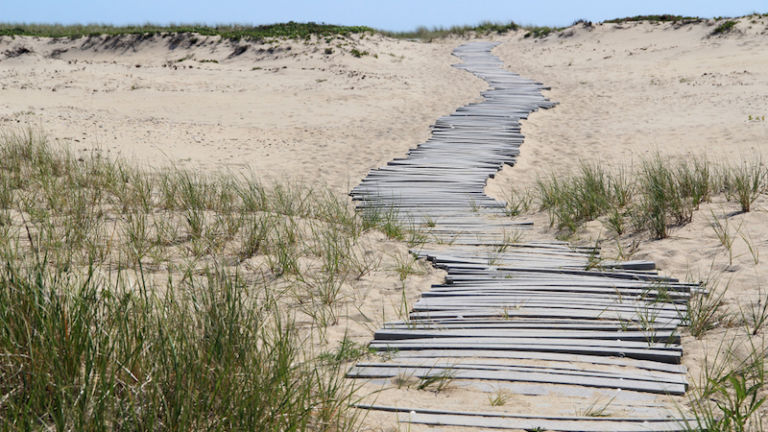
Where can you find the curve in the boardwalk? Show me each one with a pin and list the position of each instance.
(518, 313)
(441, 181)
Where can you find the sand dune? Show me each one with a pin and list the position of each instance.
(283, 110)
(297, 110)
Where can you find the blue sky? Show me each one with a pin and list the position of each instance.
(388, 15)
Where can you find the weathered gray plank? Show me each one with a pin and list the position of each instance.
(544, 377)
(497, 420)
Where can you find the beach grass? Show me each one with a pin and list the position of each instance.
(657, 196)
(731, 389)
(426, 33)
(166, 299)
(292, 30)
(724, 27)
(656, 18)
(300, 30)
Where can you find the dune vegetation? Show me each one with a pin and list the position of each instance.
(167, 300)
(653, 198)
(298, 30)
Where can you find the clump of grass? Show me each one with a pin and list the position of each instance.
(745, 183)
(588, 194)
(388, 220)
(658, 196)
(405, 266)
(357, 53)
(596, 409)
(705, 309)
(669, 194)
(347, 352)
(499, 398)
(724, 235)
(437, 382)
(518, 202)
(537, 32)
(755, 314)
(655, 18)
(723, 28)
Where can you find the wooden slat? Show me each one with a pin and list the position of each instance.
(497, 420)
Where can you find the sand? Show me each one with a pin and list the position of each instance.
(283, 110)
(288, 110)
(633, 90)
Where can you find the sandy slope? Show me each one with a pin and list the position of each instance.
(625, 91)
(283, 110)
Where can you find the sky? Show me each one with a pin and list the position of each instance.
(396, 15)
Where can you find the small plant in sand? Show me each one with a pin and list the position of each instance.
(755, 314)
(518, 202)
(746, 182)
(596, 409)
(705, 308)
(437, 382)
(500, 397)
(730, 391)
(347, 352)
(406, 265)
(724, 235)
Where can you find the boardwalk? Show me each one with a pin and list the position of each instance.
(538, 320)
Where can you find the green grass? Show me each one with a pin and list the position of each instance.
(425, 33)
(167, 299)
(540, 31)
(584, 196)
(655, 18)
(85, 352)
(290, 29)
(294, 30)
(725, 27)
(654, 198)
(730, 392)
(669, 193)
(746, 182)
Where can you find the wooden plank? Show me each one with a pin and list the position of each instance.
(546, 377)
(544, 312)
(563, 369)
(544, 356)
(664, 336)
(499, 420)
(659, 355)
